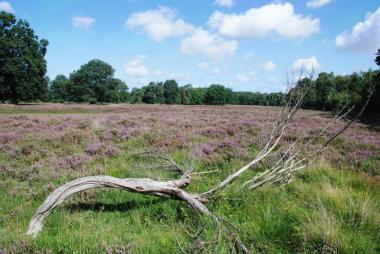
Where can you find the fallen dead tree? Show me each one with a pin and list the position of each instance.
(289, 158)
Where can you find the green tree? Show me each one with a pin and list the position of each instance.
(197, 95)
(95, 82)
(58, 88)
(375, 101)
(372, 82)
(262, 99)
(149, 95)
(311, 100)
(342, 83)
(136, 95)
(217, 95)
(22, 62)
(325, 86)
(185, 93)
(250, 98)
(356, 88)
(171, 92)
(276, 99)
(122, 91)
(153, 93)
(377, 60)
(330, 92)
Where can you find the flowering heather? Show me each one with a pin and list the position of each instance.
(101, 149)
(94, 148)
(111, 151)
(75, 161)
(12, 151)
(9, 137)
(125, 133)
(214, 132)
(208, 132)
(58, 143)
(206, 149)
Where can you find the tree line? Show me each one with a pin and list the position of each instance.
(94, 83)
(330, 92)
(169, 92)
(23, 78)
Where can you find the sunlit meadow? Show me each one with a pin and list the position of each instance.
(331, 207)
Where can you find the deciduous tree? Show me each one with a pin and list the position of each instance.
(58, 88)
(171, 92)
(217, 95)
(94, 82)
(22, 62)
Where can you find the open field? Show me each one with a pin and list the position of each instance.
(331, 207)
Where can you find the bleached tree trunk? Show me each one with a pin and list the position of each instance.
(169, 189)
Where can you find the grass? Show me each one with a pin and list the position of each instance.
(326, 209)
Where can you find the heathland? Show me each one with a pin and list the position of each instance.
(331, 207)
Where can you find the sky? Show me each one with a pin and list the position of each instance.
(247, 45)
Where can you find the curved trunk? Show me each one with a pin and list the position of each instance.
(169, 189)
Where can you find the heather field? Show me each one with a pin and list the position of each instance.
(331, 207)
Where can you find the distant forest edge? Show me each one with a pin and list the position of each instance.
(327, 91)
(23, 79)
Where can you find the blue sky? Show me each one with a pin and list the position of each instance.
(243, 44)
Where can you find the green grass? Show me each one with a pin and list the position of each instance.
(23, 111)
(55, 109)
(324, 210)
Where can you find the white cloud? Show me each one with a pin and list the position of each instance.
(225, 3)
(164, 22)
(143, 81)
(275, 18)
(306, 64)
(315, 4)
(136, 68)
(365, 36)
(203, 65)
(215, 70)
(268, 66)
(159, 24)
(248, 55)
(7, 7)
(207, 44)
(247, 77)
(211, 69)
(83, 22)
(158, 72)
(179, 77)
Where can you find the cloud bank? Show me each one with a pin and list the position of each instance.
(364, 36)
(276, 18)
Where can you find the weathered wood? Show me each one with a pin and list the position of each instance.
(168, 189)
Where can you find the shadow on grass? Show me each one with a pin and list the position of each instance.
(106, 207)
(371, 120)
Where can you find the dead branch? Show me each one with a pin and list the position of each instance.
(169, 189)
(170, 163)
(283, 170)
(294, 103)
